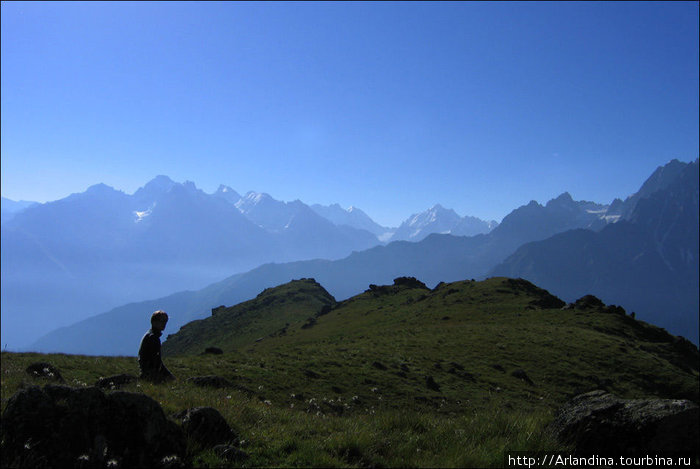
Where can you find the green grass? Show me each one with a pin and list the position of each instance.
(351, 390)
(281, 435)
(267, 314)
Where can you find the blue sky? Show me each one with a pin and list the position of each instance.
(391, 107)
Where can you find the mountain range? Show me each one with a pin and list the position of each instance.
(69, 259)
(534, 228)
(438, 257)
(353, 217)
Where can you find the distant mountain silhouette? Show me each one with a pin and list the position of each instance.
(227, 193)
(647, 262)
(660, 179)
(9, 208)
(436, 258)
(353, 217)
(306, 233)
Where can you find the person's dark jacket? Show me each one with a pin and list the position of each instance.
(150, 362)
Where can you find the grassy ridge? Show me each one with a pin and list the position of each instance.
(400, 375)
(470, 337)
(271, 311)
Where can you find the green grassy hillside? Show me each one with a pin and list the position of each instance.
(470, 337)
(272, 311)
(400, 375)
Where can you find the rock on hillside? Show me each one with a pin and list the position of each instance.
(600, 423)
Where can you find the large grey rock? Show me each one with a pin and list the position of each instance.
(60, 426)
(600, 423)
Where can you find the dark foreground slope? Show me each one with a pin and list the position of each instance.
(400, 375)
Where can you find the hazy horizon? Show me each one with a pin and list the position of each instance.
(389, 107)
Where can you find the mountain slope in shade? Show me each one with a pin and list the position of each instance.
(648, 262)
(660, 179)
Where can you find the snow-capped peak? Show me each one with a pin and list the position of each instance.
(438, 219)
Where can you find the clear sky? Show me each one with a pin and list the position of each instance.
(390, 107)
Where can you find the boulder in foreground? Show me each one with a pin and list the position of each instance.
(60, 426)
(600, 423)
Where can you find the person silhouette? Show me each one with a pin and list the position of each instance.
(150, 361)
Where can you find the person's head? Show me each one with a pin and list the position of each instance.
(159, 319)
